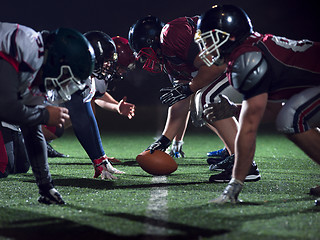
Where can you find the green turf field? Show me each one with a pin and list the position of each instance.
(139, 206)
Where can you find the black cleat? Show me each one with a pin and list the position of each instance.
(52, 153)
(226, 175)
(223, 165)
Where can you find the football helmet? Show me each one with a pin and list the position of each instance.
(220, 30)
(68, 62)
(126, 58)
(144, 40)
(106, 54)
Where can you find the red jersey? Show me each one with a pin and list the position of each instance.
(292, 65)
(178, 47)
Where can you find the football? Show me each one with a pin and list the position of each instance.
(157, 163)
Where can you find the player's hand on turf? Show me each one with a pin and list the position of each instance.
(57, 116)
(172, 95)
(126, 109)
(176, 149)
(109, 170)
(103, 167)
(50, 196)
(220, 110)
(230, 194)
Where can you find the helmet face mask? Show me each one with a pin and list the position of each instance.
(209, 43)
(106, 55)
(126, 57)
(144, 40)
(220, 30)
(106, 69)
(151, 63)
(68, 62)
(61, 88)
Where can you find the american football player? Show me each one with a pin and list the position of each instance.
(33, 67)
(264, 68)
(144, 39)
(106, 72)
(171, 48)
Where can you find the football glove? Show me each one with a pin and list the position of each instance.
(220, 110)
(176, 149)
(230, 194)
(161, 144)
(51, 196)
(172, 95)
(104, 168)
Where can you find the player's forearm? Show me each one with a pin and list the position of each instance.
(19, 114)
(107, 105)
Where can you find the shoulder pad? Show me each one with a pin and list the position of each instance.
(248, 70)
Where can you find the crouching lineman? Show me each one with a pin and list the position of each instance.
(263, 67)
(106, 72)
(30, 66)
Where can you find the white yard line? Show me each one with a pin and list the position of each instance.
(157, 207)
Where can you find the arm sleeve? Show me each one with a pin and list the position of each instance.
(12, 110)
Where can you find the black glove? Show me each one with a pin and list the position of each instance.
(220, 110)
(171, 95)
(161, 144)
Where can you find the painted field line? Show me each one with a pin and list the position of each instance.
(157, 208)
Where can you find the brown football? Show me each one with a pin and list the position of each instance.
(157, 163)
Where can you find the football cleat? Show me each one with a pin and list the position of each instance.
(221, 153)
(230, 194)
(52, 153)
(214, 161)
(226, 175)
(51, 196)
(315, 191)
(317, 202)
(223, 165)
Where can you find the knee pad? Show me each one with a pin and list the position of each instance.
(196, 113)
(300, 113)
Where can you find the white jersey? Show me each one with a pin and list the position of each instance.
(23, 48)
(95, 88)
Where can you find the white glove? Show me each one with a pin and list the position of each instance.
(108, 170)
(230, 193)
(103, 167)
(176, 149)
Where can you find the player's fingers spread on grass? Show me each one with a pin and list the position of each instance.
(112, 169)
(220, 200)
(107, 175)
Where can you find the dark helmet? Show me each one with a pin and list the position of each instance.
(226, 27)
(126, 56)
(69, 61)
(105, 52)
(144, 40)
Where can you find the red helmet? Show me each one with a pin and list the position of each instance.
(126, 57)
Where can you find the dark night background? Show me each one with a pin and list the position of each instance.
(292, 19)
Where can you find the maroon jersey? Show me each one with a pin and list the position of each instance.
(178, 47)
(292, 65)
